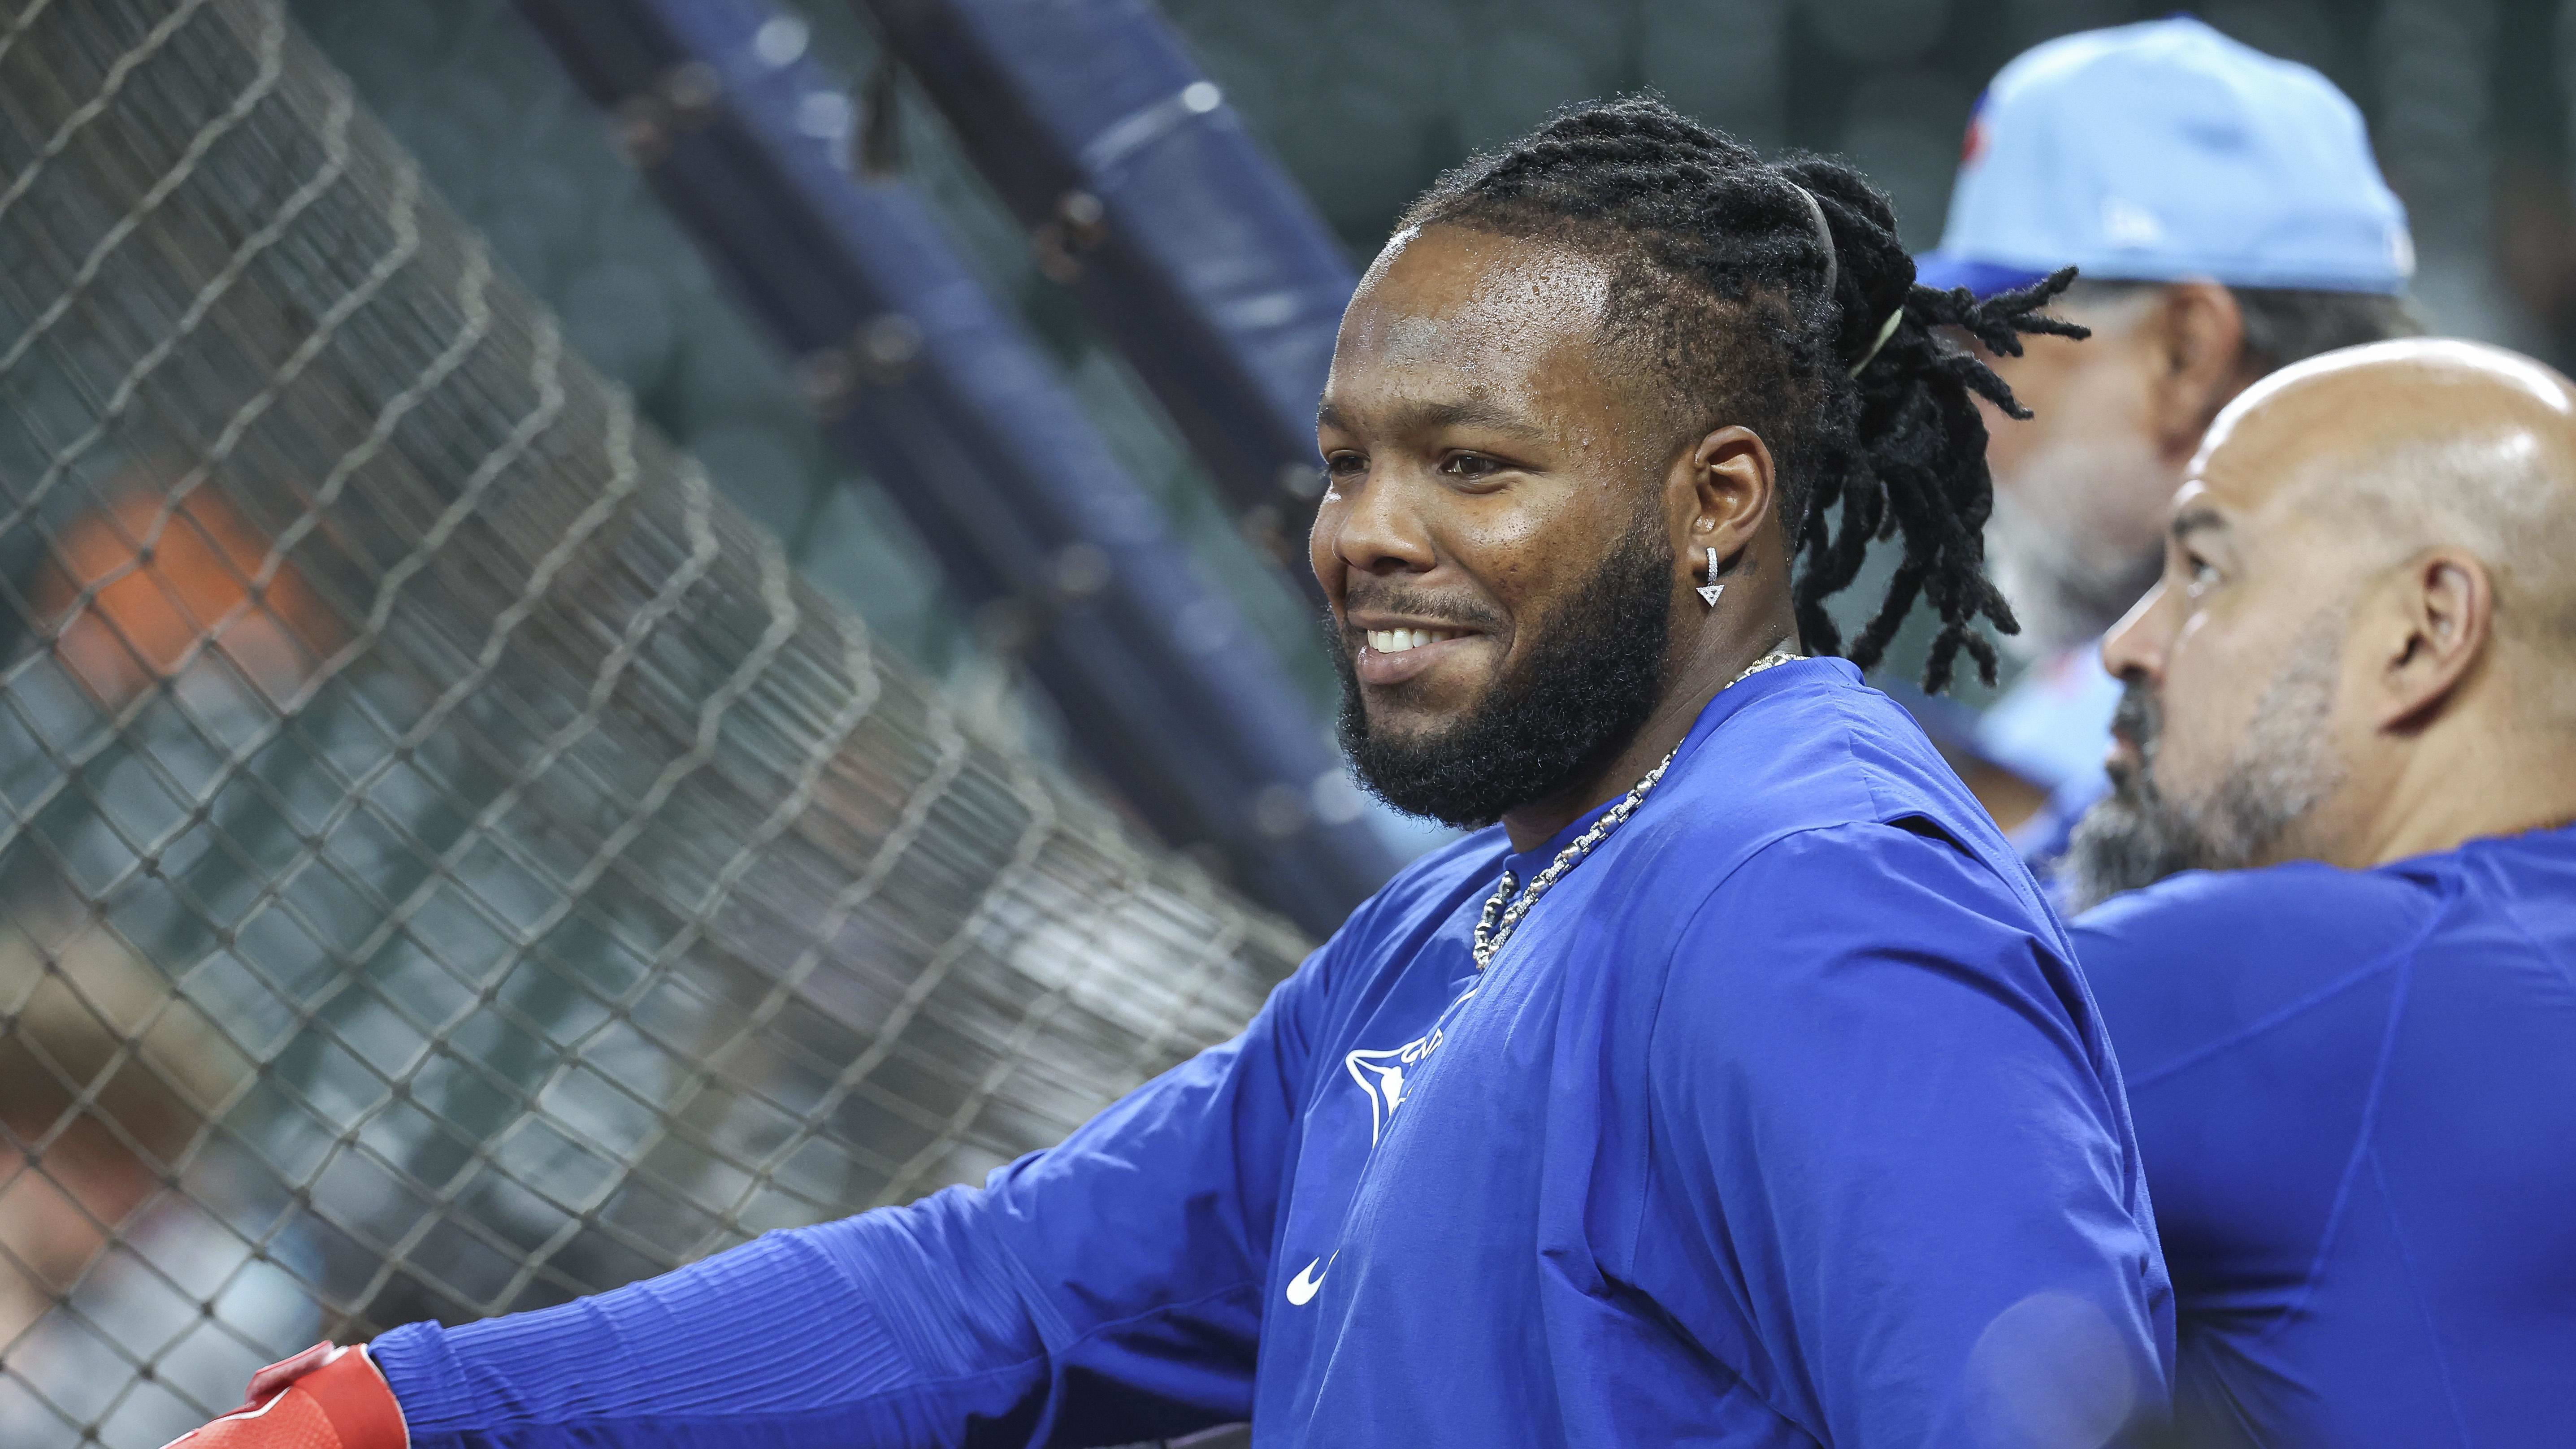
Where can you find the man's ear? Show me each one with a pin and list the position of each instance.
(2441, 614)
(1724, 490)
(2196, 339)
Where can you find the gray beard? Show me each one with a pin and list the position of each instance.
(2284, 765)
(2063, 595)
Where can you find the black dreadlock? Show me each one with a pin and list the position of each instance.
(1719, 275)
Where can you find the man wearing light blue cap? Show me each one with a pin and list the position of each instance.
(2228, 220)
(2349, 1037)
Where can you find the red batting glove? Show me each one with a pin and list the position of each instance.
(326, 1397)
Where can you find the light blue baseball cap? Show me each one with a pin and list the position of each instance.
(2164, 151)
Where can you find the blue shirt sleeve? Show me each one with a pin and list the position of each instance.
(1102, 1291)
(1896, 1129)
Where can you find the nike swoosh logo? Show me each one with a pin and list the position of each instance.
(1301, 1289)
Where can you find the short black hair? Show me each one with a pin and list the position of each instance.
(1749, 313)
(2284, 325)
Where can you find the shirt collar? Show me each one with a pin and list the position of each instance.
(1730, 701)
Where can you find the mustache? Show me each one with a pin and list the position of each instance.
(2139, 720)
(1419, 604)
(2139, 717)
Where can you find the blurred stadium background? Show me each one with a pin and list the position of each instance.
(566, 698)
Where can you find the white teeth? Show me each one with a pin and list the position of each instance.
(1396, 641)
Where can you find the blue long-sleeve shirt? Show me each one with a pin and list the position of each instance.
(1782, 1121)
(2356, 1092)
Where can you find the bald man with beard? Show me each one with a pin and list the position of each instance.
(2349, 1028)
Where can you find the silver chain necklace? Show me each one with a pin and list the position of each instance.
(1504, 911)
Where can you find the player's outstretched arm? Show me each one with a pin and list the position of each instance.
(1104, 1291)
(1884, 1076)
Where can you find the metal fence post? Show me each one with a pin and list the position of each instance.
(1187, 244)
(944, 398)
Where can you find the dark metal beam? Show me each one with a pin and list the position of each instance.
(945, 400)
(1188, 245)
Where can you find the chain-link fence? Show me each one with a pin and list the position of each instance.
(448, 861)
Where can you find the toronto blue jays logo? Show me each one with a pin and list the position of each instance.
(1383, 1074)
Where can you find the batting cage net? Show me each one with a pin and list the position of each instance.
(448, 861)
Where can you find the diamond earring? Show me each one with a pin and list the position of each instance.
(1709, 591)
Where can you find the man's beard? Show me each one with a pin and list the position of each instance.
(2285, 764)
(1584, 689)
(2067, 583)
